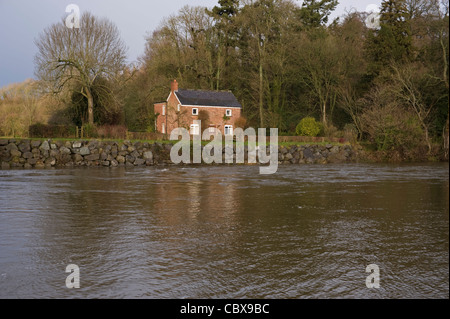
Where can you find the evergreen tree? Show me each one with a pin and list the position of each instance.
(225, 28)
(226, 8)
(392, 42)
(314, 13)
(394, 18)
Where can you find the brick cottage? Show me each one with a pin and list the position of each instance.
(215, 109)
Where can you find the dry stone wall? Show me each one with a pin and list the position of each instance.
(22, 153)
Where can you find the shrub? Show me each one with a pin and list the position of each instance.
(350, 133)
(286, 133)
(40, 130)
(90, 130)
(112, 131)
(308, 127)
(391, 128)
(241, 122)
(332, 131)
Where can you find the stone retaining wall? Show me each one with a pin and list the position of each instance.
(16, 153)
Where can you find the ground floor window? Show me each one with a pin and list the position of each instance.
(163, 129)
(228, 130)
(195, 130)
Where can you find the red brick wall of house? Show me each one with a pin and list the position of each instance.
(215, 117)
(161, 118)
(184, 118)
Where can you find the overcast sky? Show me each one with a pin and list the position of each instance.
(22, 20)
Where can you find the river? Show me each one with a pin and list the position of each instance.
(308, 231)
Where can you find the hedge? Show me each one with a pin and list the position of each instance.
(52, 131)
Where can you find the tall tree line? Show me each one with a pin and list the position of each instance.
(284, 62)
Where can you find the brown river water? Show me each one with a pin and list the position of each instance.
(308, 231)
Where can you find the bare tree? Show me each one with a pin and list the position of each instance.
(321, 68)
(264, 27)
(30, 101)
(430, 32)
(77, 57)
(349, 103)
(443, 40)
(408, 91)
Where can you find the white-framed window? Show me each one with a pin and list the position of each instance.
(228, 113)
(195, 129)
(228, 129)
(178, 107)
(163, 128)
(164, 110)
(194, 111)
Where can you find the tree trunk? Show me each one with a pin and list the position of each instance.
(427, 139)
(446, 139)
(324, 114)
(90, 106)
(218, 71)
(261, 96)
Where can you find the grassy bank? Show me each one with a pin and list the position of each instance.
(281, 144)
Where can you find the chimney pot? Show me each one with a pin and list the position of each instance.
(174, 86)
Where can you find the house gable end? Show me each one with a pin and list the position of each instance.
(176, 97)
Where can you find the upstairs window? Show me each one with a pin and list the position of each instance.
(228, 113)
(194, 111)
(164, 110)
(178, 107)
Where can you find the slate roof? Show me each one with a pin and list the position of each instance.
(207, 98)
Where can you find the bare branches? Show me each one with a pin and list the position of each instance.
(70, 57)
(407, 90)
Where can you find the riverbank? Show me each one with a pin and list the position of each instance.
(26, 153)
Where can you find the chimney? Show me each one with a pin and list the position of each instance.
(174, 86)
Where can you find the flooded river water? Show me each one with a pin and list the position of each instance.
(308, 231)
